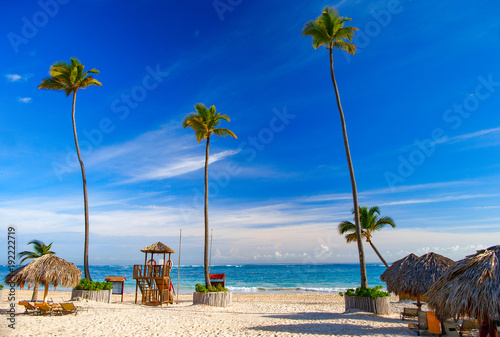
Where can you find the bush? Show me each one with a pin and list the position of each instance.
(374, 292)
(200, 288)
(90, 285)
(1, 286)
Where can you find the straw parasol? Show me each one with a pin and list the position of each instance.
(45, 270)
(390, 275)
(416, 278)
(471, 287)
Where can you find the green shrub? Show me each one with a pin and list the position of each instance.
(200, 288)
(374, 292)
(93, 286)
(1, 286)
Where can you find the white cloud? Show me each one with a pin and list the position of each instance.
(25, 99)
(13, 77)
(18, 78)
(468, 136)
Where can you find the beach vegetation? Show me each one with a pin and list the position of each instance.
(200, 288)
(39, 249)
(205, 122)
(86, 284)
(70, 77)
(329, 30)
(374, 292)
(370, 222)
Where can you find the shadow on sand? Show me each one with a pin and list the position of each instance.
(339, 324)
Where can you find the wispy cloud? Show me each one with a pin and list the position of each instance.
(18, 78)
(159, 154)
(13, 77)
(460, 138)
(25, 99)
(177, 167)
(438, 199)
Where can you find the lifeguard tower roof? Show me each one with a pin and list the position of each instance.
(157, 248)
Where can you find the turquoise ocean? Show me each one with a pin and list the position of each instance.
(255, 279)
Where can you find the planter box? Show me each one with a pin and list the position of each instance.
(99, 295)
(379, 306)
(221, 299)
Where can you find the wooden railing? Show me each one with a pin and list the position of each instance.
(150, 272)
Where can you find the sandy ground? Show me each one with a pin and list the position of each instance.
(249, 315)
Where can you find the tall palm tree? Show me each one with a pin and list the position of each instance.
(39, 249)
(370, 222)
(70, 78)
(328, 30)
(205, 122)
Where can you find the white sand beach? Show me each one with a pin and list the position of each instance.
(250, 315)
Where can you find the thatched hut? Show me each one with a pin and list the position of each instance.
(390, 275)
(416, 278)
(45, 270)
(471, 287)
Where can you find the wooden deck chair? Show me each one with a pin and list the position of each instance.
(30, 309)
(47, 309)
(69, 308)
(451, 329)
(467, 326)
(433, 323)
(422, 322)
(408, 312)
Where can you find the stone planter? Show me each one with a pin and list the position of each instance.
(221, 299)
(379, 306)
(99, 295)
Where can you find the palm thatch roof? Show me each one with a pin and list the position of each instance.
(390, 275)
(46, 269)
(471, 287)
(157, 248)
(416, 278)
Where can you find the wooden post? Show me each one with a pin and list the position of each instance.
(136, 285)
(179, 266)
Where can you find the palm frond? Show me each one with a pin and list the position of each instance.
(51, 83)
(346, 226)
(345, 46)
(319, 34)
(186, 120)
(221, 132)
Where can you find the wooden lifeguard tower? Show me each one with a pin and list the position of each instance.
(153, 278)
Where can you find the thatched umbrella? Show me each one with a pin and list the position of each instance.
(416, 278)
(45, 270)
(471, 287)
(390, 275)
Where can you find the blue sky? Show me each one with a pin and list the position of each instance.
(421, 99)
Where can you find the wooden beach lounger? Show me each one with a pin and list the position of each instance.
(30, 309)
(48, 309)
(467, 327)
(408, 312)
(69, 308)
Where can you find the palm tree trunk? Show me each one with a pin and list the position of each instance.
(35, 292)
(378, 254)
(85, 199)
(207, 276)
(362, 264)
